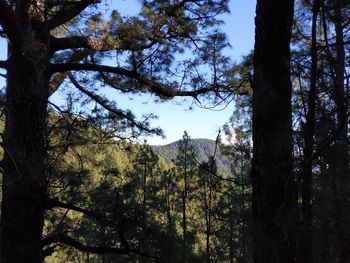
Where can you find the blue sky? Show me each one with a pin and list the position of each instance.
(174, 116)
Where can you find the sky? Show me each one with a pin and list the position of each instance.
(174, 117)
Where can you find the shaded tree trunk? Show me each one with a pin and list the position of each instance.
(232, 237)
(305, 233)
(342, 151)
(273, 196)
(24, 161)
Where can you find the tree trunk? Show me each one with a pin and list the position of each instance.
(24, 162)
(305, 233)
(273, 196)
(184, 217)
(232, 237)
(342, 151)
(184, 230)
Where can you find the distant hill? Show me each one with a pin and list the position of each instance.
(204, 148)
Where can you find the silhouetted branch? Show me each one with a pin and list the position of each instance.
(66, 240)
(152, 85)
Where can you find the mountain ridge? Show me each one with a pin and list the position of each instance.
(203, 148)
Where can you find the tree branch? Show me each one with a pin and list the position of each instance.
(88, 42)
(93, 43)
(10, 26)
(3, 64)
(58, 78)
(69, 11)
(165, 91)
(63, 239)
(56, 203)
(66, 240)
(103, 103)
(52, 203)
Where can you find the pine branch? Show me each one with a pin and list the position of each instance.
(58, 78)
(104, 103)
(93, 43)
(88, 42)
(162, 90)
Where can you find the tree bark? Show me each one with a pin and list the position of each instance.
(24, 161)
(273, 183)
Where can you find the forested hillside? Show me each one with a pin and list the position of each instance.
(203, 149)
(106, 191)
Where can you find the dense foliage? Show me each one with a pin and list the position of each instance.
(110, 186)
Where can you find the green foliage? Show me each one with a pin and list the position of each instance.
(203, 149)
(130, 194)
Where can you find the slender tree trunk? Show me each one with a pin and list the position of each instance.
(184, 218)
(274, 199)
(208, 201)
(232, 242)
(168, 201)
(325, 243)
(144, 186)
(24, 162)
(306, 232)
(342, 149)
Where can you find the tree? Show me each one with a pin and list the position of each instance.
(273, 197)
(186, 168)
(55, 42)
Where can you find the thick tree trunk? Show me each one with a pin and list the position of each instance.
(273, 183)
(24, 162)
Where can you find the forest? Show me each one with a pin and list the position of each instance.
(78, 184)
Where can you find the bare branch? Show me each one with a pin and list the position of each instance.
(10, 26)
(69, 11)
(3, 64)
